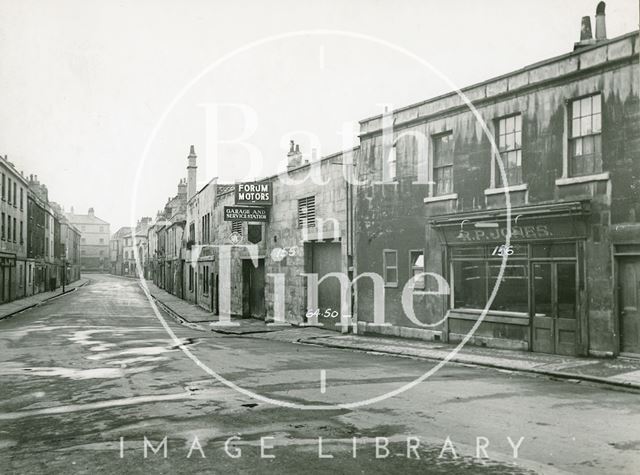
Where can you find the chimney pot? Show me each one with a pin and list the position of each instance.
(601, 28)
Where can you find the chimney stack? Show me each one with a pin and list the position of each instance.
(294, 157)
(91, 212)
(585, 30)
(601, 27)
(182, 187)
(192, 173)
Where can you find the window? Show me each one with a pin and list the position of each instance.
(8, 190)
(475, 270)
(585, 144)
(126, 254)
(443, 164)
(15, 232)
(21, 232)
(510, 145)
(3, 237)
(8, 228)
(392, 164)
(15, 194)
(307, 212)
(21, 198)
(101, 229)
(390, 265)
(236, 227)
(3, 185)
(205, 280)
(101, 241)
(190, 279)
(416, 259)
(102, 253)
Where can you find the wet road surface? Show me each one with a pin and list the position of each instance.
(88, 376)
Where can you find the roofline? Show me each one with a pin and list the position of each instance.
(529, 67)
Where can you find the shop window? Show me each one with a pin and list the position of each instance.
(510, 147)
(585, 144)
(470, 284)
(416, 258)
(390, 267)
(553, 250)
(512, 295)
(443, 164)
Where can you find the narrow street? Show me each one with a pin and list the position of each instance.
(86, 377)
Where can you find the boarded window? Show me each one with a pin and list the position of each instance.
(307, 212)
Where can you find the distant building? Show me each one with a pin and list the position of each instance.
(13, 247)
(68, 246)
(116, 250)
(43, 264)
(94, 241)
(135, 242)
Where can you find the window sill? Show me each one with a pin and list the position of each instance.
(391, 286)
(582, 179)
(432, 199)
(510, 189)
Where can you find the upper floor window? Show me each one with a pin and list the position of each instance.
(3, 184)
(15, 195)
(8, 190)
(307, 212)
(101, 229)
(21, 199)
(236, 227)
(585, 144)
(443, 164)
(510, 148)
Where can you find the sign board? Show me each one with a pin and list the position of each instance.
(254, 193)
(527, 229)
(246, 213)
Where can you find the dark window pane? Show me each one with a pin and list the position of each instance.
(566, 290)
(392, 275)
(457, 252)
(513, 291)
(542, 288)
(469, 284)
(554, 250)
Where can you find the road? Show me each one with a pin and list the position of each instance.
(88, 376)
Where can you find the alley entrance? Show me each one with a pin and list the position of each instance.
(253, 289)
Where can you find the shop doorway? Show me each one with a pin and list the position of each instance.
(253, 289)
(629, 304)
(555, 309)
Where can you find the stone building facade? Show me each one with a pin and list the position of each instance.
(94, 243)
(13, 244)
(568, 135)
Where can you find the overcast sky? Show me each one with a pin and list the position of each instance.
(85, 82)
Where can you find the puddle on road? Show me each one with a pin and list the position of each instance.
(12, 368)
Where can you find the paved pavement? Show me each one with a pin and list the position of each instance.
(11, 308)
(615, 371)
(88, 376)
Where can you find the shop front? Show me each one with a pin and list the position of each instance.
(538, 298)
